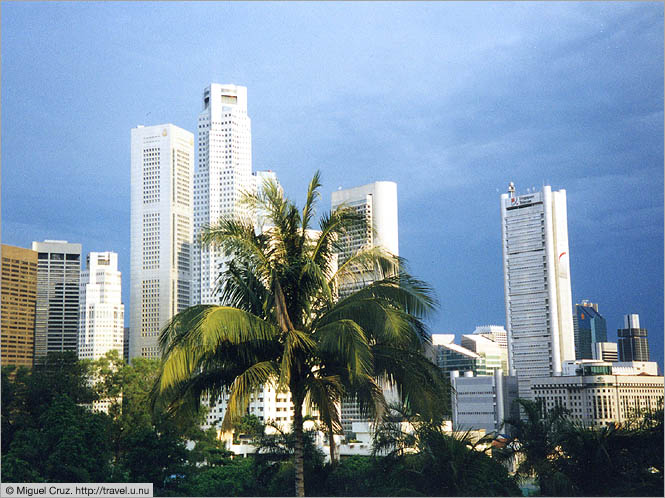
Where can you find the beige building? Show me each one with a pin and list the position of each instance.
(19, 298)
(598, 398)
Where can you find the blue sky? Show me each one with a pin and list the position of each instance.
(450, 100)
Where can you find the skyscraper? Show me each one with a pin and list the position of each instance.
(633, 343)
(57, 312)
(498, 334)
(537, 284)
(102, 316)
(161, 231)
(589, 328)
(377, 202)
(224, 170)
(19, 298)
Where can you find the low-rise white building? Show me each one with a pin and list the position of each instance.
(598, 396)
(483, 402)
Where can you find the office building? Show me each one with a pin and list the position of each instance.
(102, 312)
(589, 328)
(224, 171)
(57, 310)
(482, 402)
(162, 160)
(125, 344)
(377, 203)
(259, 178)
(633, 343)
(496, 333)
(493, 355)
(606, 351)
(598, 394)
(450, 357)
(19, 299)
(536, 271)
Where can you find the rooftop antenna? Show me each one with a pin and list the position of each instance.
(511, 190)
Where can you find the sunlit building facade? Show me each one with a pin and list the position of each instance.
(102, 314)
(537, 288)
(223, 172)
(58, 282)
(377, 203)
(19, 299)
(161, 232)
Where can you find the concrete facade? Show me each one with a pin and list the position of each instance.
(19, 300)
(161, 232)
(537, 288)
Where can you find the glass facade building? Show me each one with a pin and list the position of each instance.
(590, 328)
(633, 343)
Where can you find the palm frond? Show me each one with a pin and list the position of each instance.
(325, 394)
(344, 342)
(310, 203)
(196, 334)
(244, 385)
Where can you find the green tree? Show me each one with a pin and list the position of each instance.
(69, 444)
(536, 437)
(149, 444)
(281, 322)
(624, 460)
(425, 460)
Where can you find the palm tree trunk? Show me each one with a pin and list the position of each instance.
(299, 463)
(331, 442)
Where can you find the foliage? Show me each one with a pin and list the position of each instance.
(231, 478)
(571, 459)
(536, 438)
(280, 322)
(50, 434)
(425, 460)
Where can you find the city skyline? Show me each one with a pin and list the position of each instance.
(460, 101)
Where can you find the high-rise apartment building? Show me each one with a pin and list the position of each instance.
(589, 328)
(162, 160)
(536, 271)
(19, 298)
(224, 171)
(57, 311)
(377, 202)
(633, 343)
(102, 313)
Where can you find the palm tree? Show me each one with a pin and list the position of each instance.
(537, 437)
(280, 321)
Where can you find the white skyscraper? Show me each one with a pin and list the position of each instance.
(536, 271)
(102, 314)
(224, 171)
(258, 180)
(377, 202)
(57, 313)
(161, 232)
